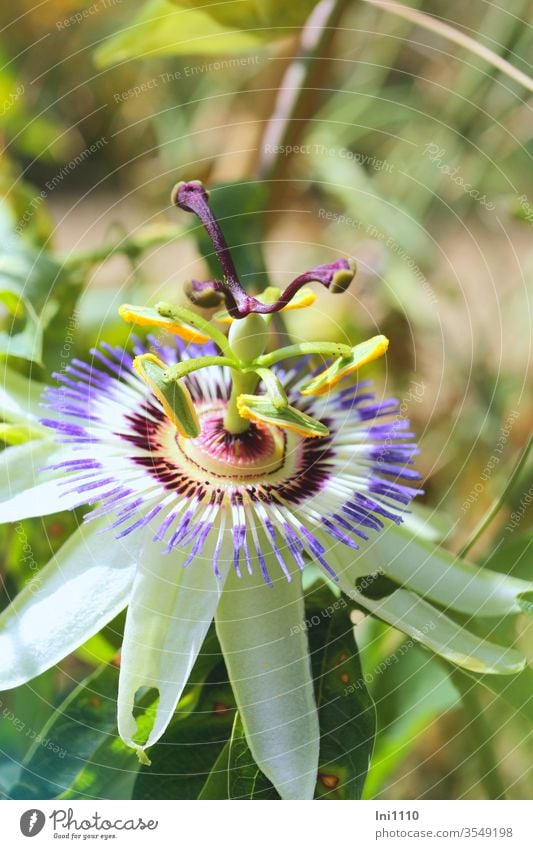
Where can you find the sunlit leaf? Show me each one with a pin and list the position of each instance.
(164, 28)
(255, 14)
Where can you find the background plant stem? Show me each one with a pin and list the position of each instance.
(132, 247)
(496, 507)
(479, 737)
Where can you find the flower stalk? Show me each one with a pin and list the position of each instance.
(241, 384)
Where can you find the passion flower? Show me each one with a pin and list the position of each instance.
(213, 475)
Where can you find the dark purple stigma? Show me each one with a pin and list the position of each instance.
(335, 276)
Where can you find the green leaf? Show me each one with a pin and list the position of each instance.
(72, 735)
(216, 785)
(244, 779)
(410, 691)
(97, 650)
(192, 743)
(162, 28)
(512, 556)
(346, 710)
(235, 774)
(14, 434)
(21, 334)
(30, 272)
(39, 296)
(252, 14)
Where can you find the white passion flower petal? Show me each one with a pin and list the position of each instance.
(270, 674)
(420, 620)
(81, 589)
(435, 573)
(19, 464)
(20, 399)
(425, 523)
(25, 491)
(424, 623)
(171, 609)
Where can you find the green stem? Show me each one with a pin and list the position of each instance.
(241, 384)
(479, 737)
(274, 388)
(327, 349)
(496, 507)
(132, 246)
(179, 370)
(202, 324)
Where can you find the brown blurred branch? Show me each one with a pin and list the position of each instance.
(298, 95)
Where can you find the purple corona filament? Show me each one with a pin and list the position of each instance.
(121, 453)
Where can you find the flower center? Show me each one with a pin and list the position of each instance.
(257, 452)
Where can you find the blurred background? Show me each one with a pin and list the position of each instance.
(363, 133)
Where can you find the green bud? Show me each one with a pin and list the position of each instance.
(248, 337)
